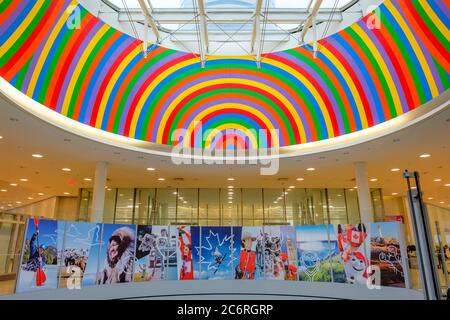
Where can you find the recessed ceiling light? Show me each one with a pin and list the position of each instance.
(374, 179)
(161, 179)
(310, 169)
(292, 187)
(18, 202)
(395, 169)
(394, 193)
(230, 179)
(174, 192)
(430, 198)
(150, 169)
(1, 137)
(300, 179)
(66, 193)
(355, 187)
(40, 194)
(425, 155)
(230, 202)
(23, 179)
(3, 190)
(109, 189)
(184, 202)
(66, 169)
(230, 187)
(37, 155)
(13, 184)
(447, 184)
(30, 198)
(87, 179)
(441, 202)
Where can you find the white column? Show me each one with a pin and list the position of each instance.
(364, 200)
(98, 201)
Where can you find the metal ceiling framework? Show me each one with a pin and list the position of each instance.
(156, 20)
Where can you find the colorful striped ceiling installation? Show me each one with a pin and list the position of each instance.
(97, 75)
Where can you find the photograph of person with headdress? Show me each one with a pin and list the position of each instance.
(245, 270)
(117, 253)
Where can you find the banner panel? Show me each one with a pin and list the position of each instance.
(353, 243)
(313, 253)
(386, 253)
(39, 261)
(79, 257)
(117, 254)
(216, 253)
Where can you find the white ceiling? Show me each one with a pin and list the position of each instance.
(24, 135)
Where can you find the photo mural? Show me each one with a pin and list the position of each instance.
(59, 254)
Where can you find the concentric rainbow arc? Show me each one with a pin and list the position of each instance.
(97, 75)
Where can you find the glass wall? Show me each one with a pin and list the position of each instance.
(231, 206)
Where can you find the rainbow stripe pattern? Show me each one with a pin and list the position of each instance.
(392, 61)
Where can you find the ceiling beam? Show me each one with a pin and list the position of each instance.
(311, 20)
(149, 20)
(256, 33)
(203, 31)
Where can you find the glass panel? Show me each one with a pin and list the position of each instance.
(6, 230)
(336, 205)
(303, 4)
(252, 207)
(209, 206)
(85, 204)
(187, 212)
(144, 204)
(351, 200)
(165, 211)
(231, 207)
(377, 204)
(124, 206)
(110, 205)
(274, 205)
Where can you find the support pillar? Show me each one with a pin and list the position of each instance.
(364, 200)
(98, 201)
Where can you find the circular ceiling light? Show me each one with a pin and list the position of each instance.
(310, 169)
(3, 190)
(161, 179)
(394, 193)
(151, 169)
(300, 179)
(13, 184)
(87, 179)
(40, 194)
(66, 193)
(395, 169)
(66, 169)
(37, 155)
(374, 179)
(437, 180)
(23, 179)
(230, 179)
(425, 155)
